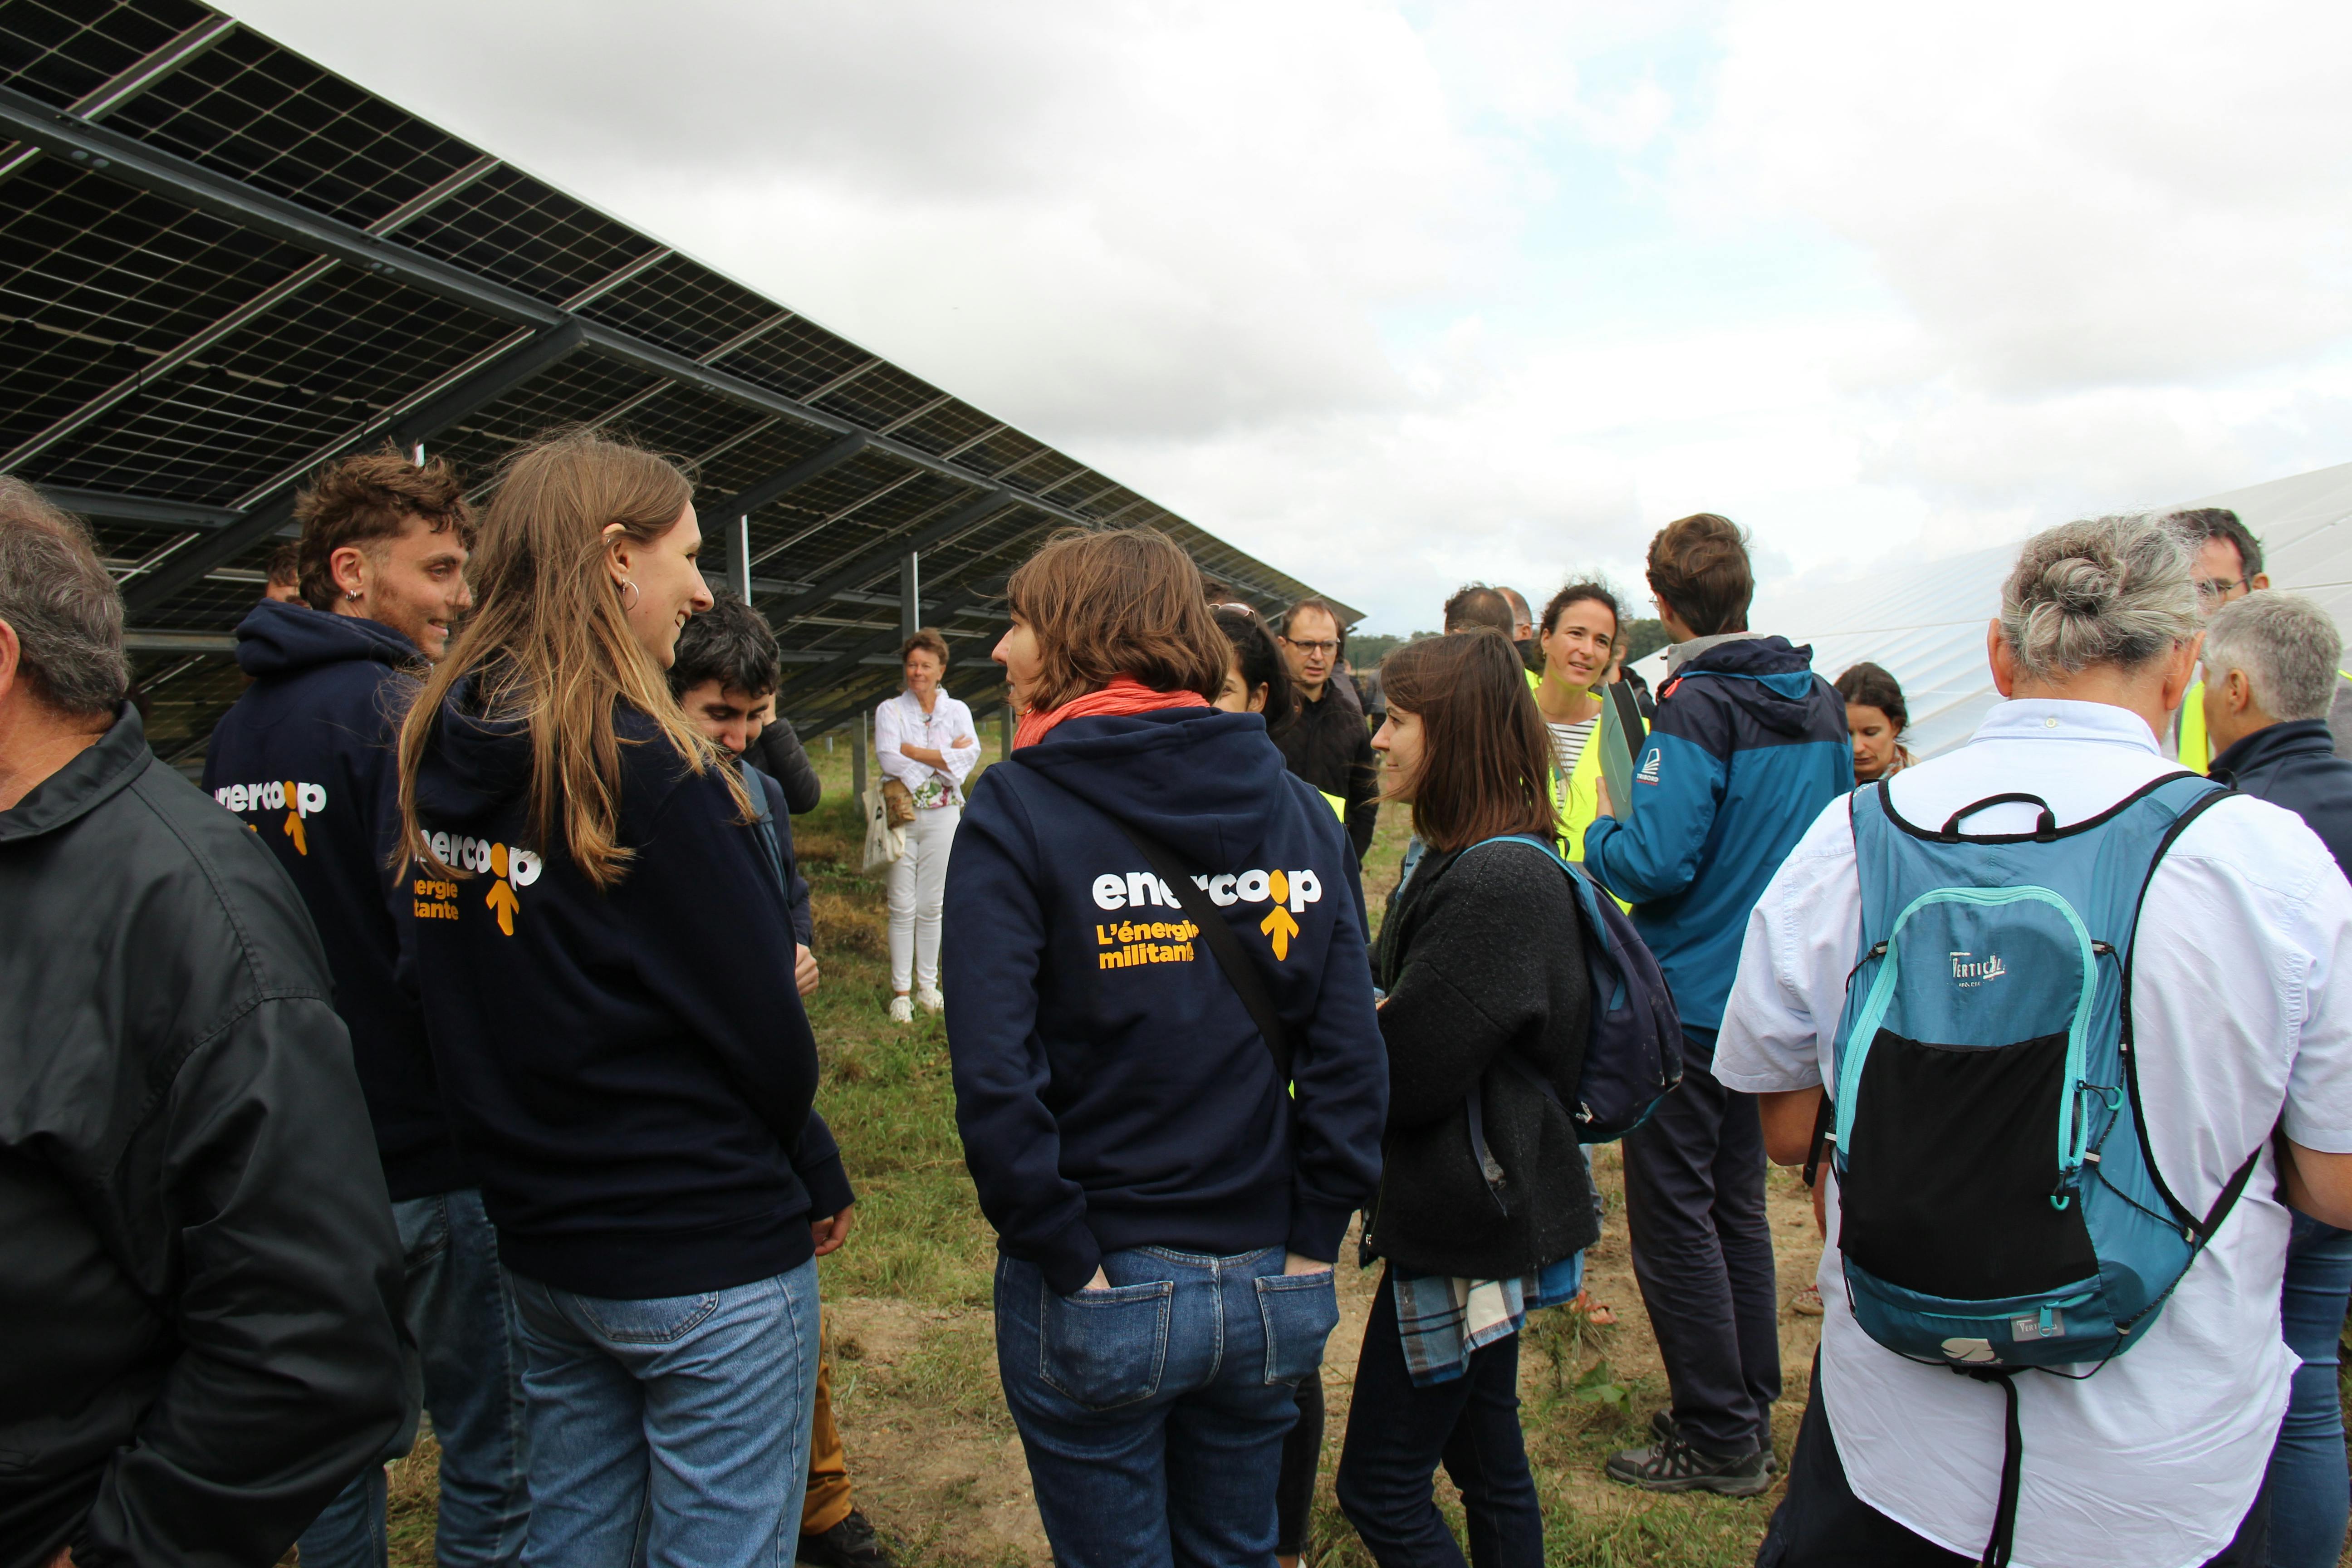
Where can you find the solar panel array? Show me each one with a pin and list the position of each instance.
(222, 266)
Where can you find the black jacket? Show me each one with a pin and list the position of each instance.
(775, 824)
(778, 753)
(1326, 744)
(2294, 765)
(1482, 958)
(323, 715)
(628, 1072)
(198, 1265)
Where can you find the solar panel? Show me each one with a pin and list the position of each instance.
(221, 266)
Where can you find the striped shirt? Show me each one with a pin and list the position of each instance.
(1567, 741)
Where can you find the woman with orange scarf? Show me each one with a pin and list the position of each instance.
(1169, 1077)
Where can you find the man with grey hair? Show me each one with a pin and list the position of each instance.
(2270, 678)
(2238, 1013)
(2226, 564)
(197, 1259)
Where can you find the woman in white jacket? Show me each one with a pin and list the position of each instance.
(925, 740)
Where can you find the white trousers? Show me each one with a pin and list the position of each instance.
(917, 877)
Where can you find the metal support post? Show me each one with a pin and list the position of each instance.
(738, 558)
(911, 594)
(858, 762)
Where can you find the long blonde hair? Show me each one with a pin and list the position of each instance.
(550, 640)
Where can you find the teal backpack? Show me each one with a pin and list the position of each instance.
(1999, 1205)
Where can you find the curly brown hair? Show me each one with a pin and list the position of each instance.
(360, 500)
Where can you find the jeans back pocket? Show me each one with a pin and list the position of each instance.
(1105, 1348)
(659, 1319)
(1299, 1311)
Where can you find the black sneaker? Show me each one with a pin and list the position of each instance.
(852, 1543)
(1661, 1426)
(1672, 1464)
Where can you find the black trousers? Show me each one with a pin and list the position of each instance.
(1703, 1256)
(1302, 1455)
(1397, 1433)
(1821, 1524)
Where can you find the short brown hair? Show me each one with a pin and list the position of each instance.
(1474, 604)
(361, 500)
(1122, 601)
(286, 565)
(1321, 606)
(1485, 769)
(1698, 565)
(929, 640)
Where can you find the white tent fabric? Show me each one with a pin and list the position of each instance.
(1924, 622)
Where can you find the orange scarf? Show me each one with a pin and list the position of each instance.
(1125, 694)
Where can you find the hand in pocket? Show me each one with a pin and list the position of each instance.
(1106, 1347)
(1299, 1311)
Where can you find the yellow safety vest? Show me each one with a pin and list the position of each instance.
(1576, 799)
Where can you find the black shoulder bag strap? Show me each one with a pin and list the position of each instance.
(1226, 947)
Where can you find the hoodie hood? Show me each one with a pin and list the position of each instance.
(1772, 681)
(1205, 783)
(278, 639)
(474, 764)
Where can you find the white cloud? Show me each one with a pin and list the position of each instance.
(2067, 196)
(1399, 295)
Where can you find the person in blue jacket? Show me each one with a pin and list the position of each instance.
(2269, 689)
(305, 758)
(1166, 1208)
(600, 936)
(1748, 746)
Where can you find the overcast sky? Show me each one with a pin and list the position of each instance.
(1396, 296)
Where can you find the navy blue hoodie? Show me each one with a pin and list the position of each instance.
(1110, 1087)
(306, 757)
(629, 1071)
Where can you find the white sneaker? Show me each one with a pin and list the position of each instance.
(902, 1010)
(930, 1001)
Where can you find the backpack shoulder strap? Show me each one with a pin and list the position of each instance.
(2201, 1228)
(1223, 944)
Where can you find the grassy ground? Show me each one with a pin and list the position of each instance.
(935, 1459)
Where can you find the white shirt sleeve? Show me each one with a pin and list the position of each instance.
(2242, 1025)
(2320, 1086)
(1800, 945)
(961, 759)
(890, 734)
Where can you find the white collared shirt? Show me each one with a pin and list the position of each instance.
(2152, 1462)
(901, 722)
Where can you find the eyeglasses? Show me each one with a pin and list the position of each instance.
(1327, 646)
(2212, 588)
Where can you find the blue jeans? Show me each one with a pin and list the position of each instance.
(1153, 1413)
(459, 1310)
(672, 1432)
(2310, 1494)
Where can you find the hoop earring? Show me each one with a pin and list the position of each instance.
(629, 595)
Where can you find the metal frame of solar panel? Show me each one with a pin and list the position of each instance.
(222, 266)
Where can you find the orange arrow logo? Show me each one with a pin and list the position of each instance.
(1279, 925)
(501, 898)
(294, 819)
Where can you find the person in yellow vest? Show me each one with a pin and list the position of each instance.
(2228, 567)
(1578, 636)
